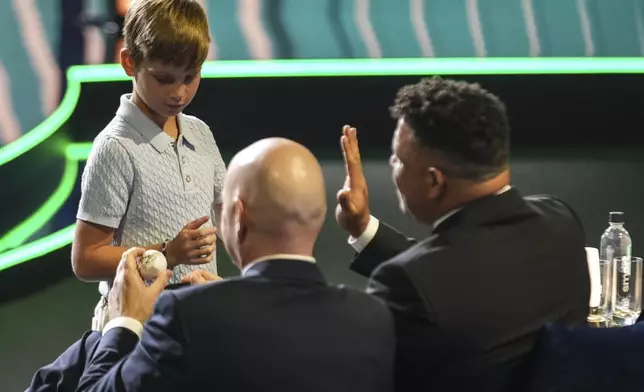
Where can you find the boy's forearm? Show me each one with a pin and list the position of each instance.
(101, 263)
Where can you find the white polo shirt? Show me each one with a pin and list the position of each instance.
(138, 182)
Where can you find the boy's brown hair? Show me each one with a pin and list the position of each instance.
(171, 31)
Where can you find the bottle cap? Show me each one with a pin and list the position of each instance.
(616, 217)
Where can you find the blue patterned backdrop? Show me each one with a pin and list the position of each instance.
(30, 82)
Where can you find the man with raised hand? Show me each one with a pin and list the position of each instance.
(470, 298)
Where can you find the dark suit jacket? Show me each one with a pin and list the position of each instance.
(589, 359)
(63, 374)
(280, 327)
(469, 300)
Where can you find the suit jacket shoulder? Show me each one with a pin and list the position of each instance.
(469, 300)
(554, 207)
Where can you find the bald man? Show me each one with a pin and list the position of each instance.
(280, 326)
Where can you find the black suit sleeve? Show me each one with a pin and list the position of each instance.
(413, 320)
(64, 373)
(156, 363)
(387, 243)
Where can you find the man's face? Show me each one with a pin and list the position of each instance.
(413, 176)
(165, 88)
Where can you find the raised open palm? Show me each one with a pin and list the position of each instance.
(352, 211)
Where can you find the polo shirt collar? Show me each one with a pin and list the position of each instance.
(160, 140)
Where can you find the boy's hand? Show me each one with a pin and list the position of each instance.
(192, 245)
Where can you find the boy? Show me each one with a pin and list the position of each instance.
(154, 176)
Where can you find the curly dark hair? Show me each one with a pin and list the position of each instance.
(462, 120)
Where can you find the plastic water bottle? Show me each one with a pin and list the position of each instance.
(615, 248)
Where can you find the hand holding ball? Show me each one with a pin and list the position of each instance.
(152, 262)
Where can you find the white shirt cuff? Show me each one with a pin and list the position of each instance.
(365, 238)
(125, 322)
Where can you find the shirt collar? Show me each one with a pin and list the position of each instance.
(160, 140)
(278, 256)
(454, 211)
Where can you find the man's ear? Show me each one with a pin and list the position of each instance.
(241, 226)
(436, 182)
(127, 63)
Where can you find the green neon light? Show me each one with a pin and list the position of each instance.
(45, 129)
(78, 151)
(328, 68)
(20, 233)
(386, 67)
(259, 69)
(74, 153)
(37, 248)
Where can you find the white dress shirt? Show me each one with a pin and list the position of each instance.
(372, 227)
(281, 256)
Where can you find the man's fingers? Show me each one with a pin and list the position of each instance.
(129, 259)
(133, 253)
(351, 155)
(207, 275)
(202, 276)
(161, 281)
(128, 270)
(346, 153)
(199, 277)
(197, 223)
(344, 198)
(193, 278)
(347, 182)
(352, 141)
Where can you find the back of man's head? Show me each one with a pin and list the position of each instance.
(274, 201)
(467, 124)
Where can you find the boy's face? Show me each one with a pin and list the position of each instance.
(166, 89)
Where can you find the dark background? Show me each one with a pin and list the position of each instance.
(577, 137)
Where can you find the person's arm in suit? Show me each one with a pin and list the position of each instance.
(155, 363)
(413, 318)
(377, 244)
(64, 373)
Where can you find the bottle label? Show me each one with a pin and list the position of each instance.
(623, 276)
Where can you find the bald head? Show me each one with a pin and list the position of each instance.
(278, 188)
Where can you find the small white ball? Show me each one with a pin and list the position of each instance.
(152, 262)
